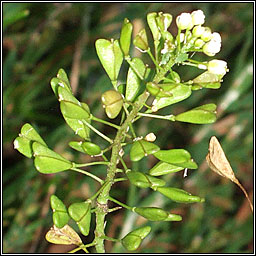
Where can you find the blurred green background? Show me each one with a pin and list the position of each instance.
(40, 38)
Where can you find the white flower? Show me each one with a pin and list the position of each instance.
(211, 48)
(207, 34)
(198, 17)
(198, 31)
(184, 21)
(218, 67)
(216, 37)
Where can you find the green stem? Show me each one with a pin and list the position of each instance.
(119, 179)
(110, 239)
(91, 163)
(103, 197)
(105, 122)
(88, 174)
(98, 132)
(168, 117)
(99, 191)
(119, 203)
(152, 58)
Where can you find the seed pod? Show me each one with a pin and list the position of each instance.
(81, 214)
(91, 148)
(47, 161)
(112, 102)
(142, 148)
(141, 41)
(133, 239)
(142, 180)
(125, 36)
(60, 215)
(179, 195)
(151, 19)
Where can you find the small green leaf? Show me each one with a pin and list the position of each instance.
(179, 92)
(65, 235)
(125, 37)
(190, 164)
(56, 83)
(179, 195)
(181, 57)
(111, 56)
(81, 214)
(24, 146)
(66, 95)
(133, 81)
(204, 114)
(74, 111)
(142, 148)
(162, 168)
(91, 148)
(47, 161)
(141, 232)
(173, 156)
(173, 217)
(141, 41)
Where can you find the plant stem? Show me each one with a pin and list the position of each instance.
(105, 122)
(101, 208)
(117, 202)
(91, 163)
(168, 117)
(88, 174)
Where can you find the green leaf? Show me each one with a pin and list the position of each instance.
(141, 232)
(74, 111)
(66, 95)
(181, 57)
(204, 114)
(179, 92)
(111, 56)
(179, 195)
(47, 161)
(65, 235)
(141, 41)
(162, 168)
(91, 148)
(190, 164)
(133, 81)
(125, 37)
(142, 148)
(173, 156)
(81, 214)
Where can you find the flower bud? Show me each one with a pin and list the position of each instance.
(218, 67)
(216, 37)
(211, 48)
(199, 43)
(184, 21)
(198, 17)
(198, 31)
(207, 34)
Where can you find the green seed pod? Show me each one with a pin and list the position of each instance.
(47, 161)
(111, 56)
(81, 214)
(141, 40)
(112, 102)
(56, 83)
(60, 215)
(179, 195)
(151, 19)
(153, 88)
(125, 37)
(133, 239)
(144, 180)
(91, 148)
(151, 213)
(77, 145)
(162, 168)
(142, 148)
(204, 114)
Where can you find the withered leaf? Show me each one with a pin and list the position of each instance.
(217, 161)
